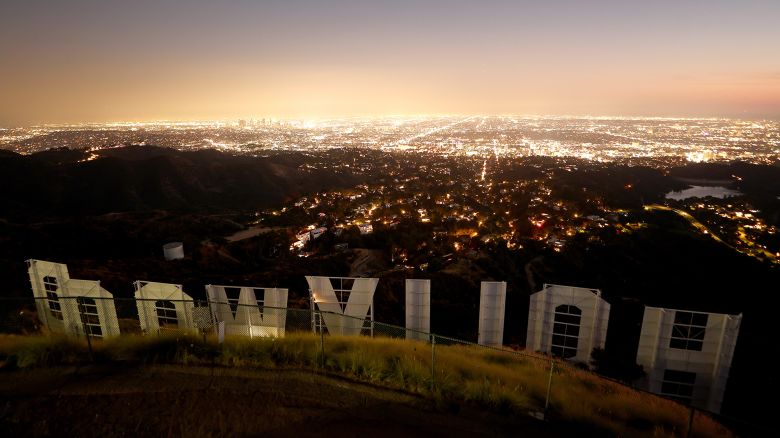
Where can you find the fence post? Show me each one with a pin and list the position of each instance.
(80, 308)
(322, 345)
(311, 313)
(549, 387)
(690, 422)
(433, 361)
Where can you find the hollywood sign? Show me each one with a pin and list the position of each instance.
(686, 354)
(79, 308)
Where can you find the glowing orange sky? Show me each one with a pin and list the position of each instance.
(121, 61)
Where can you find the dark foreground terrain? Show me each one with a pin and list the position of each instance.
(199, 401)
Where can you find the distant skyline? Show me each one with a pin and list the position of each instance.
(111, 61)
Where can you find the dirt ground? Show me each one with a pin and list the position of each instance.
(367, 262)
(200, 401)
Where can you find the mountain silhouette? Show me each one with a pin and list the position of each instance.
(136, 178)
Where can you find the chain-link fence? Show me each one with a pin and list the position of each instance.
(497, 377)
(102, 318)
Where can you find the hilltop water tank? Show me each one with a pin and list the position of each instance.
(173, 251)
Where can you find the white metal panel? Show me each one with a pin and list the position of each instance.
(594, 318)
(66, 320)
(418, 308)
(711, 364)
(69, 320)
(349, 319)
(535, 322)
(173, 251)
(148, 293)
(274, 313)
(104, 301)
(491, 313)
(253, 316)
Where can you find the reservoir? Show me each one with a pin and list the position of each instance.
(703, 192)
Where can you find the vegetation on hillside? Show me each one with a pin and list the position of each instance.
(499, 381)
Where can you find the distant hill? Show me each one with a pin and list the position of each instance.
(136, 178)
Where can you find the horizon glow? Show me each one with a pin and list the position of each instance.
(97, 62)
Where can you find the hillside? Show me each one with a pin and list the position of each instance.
(161, 400)
(506, 390)
(63, 182)
(149, 196)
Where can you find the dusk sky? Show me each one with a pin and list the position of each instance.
(99, 61)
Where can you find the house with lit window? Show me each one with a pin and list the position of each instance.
(687, 355)
(567, 321)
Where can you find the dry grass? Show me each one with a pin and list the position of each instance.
(499, 381)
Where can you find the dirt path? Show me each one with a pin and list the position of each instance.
(529, 272)
(252, 232)
(367, 262)
(197, 401)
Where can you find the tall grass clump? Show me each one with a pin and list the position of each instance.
(294, 350)
(391, 362)
(38, 351)
(164, 348)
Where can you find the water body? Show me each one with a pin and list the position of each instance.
(703, 192)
